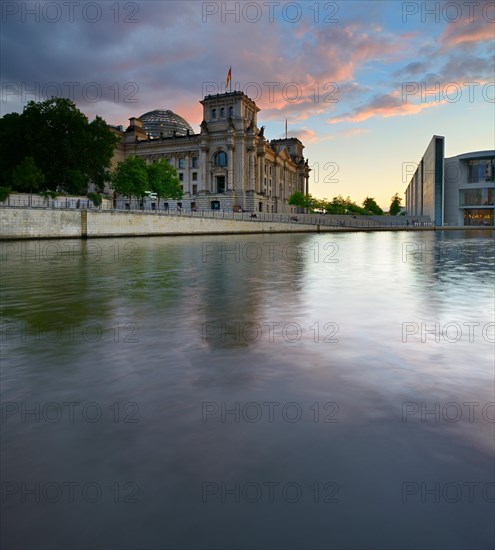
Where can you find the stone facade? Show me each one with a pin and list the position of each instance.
(229, 165)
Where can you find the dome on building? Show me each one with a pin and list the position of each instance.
(155, 122)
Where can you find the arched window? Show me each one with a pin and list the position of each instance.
(231, 111)
(222, 112)
(213, 113)
(220, 158)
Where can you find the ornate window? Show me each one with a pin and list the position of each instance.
(220, 158)
(222, 112)
(231, 111)
(213, 113)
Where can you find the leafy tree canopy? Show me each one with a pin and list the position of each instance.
(27, 177)
(164, 180)
(395, 205)
(68, 150)
(300, 199)
(130, 178)
(338, 205)
(371, 205)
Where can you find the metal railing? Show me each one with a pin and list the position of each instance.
(325, 220)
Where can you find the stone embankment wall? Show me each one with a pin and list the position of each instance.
(33, 223)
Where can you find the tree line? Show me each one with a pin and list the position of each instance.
(341, 205)
(51, 148)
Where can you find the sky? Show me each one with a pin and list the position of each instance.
(364, 85)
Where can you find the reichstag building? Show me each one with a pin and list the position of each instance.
(229, 165)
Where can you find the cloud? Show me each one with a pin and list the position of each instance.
(475, 25)
(170, 52)
(305, 135)
(384, 105)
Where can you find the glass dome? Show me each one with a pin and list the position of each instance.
(158, 121)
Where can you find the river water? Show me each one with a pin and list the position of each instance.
(258, 392)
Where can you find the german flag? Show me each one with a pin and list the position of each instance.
(229, 76)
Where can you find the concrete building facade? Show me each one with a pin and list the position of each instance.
(229, 164)
(457, 191)
(424, 194)
(469, 189)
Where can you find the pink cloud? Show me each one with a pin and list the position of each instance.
(387, 105)
(474, 27)
(304, 134)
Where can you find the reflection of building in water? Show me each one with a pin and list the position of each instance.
(229, 164)
(453, 191)
(237, 272)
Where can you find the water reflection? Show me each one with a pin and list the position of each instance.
(192, 345)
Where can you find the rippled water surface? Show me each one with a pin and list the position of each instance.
(282, 391)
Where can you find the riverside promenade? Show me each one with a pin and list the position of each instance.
(27, 222)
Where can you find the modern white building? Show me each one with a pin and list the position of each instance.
(469, 189)
(229, 165)
(457, 191)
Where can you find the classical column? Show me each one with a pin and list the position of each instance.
(230, 164)
(203, 170)
(187, 170)
(239, 165)
(251, 169)
(261, 181)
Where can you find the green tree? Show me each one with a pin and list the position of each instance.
(371, 205)
(12, 148)
(338, 205)
(305, 201)
(164, 181)
(27, 176)
(100, 148)
(95, 198)
(68, 149)
(130, 178)
(395, 205)
(298, 199)
(4, 193)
